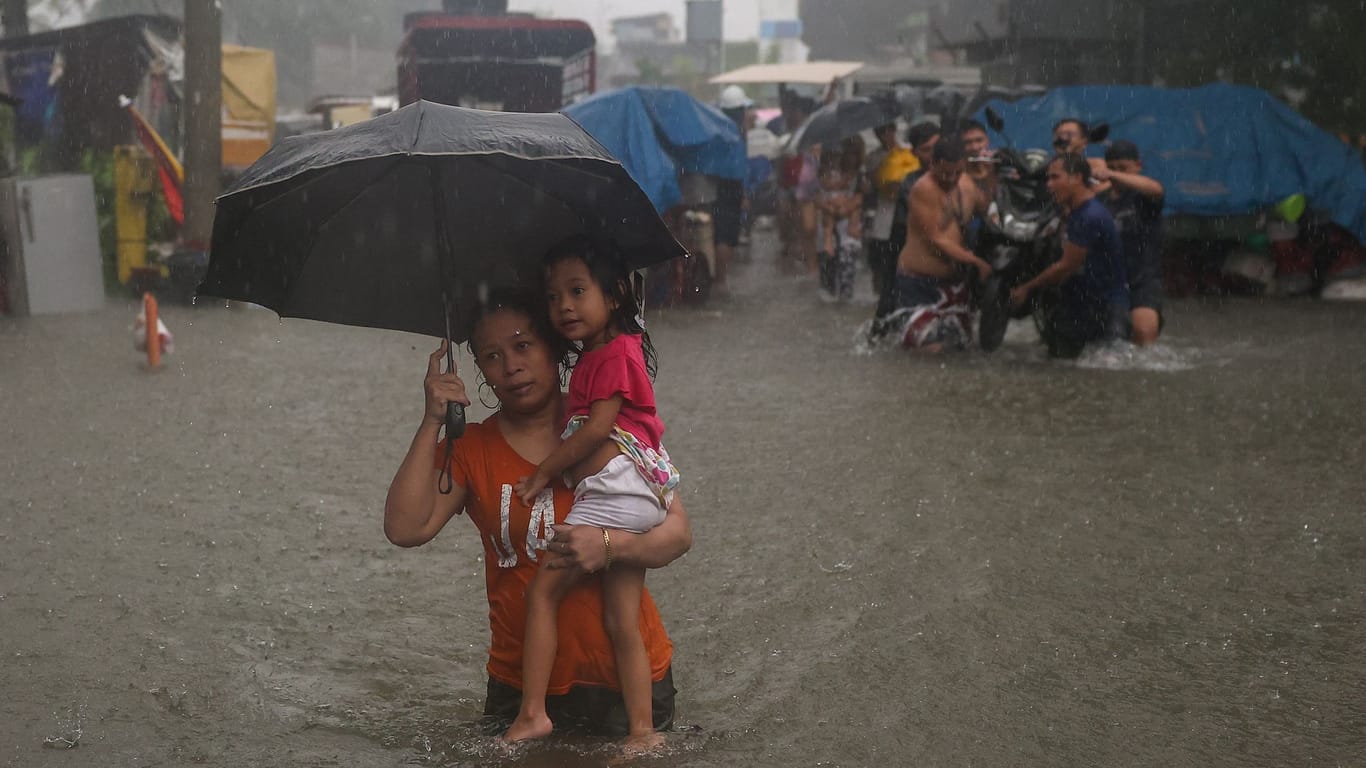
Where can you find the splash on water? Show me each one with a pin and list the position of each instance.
(873, 337)
(563, 750)
(70, 729)
(1124, 356)
(1023, 345)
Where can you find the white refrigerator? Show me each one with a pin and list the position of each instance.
(51, 244)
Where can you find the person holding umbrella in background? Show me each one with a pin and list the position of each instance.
(836, 129)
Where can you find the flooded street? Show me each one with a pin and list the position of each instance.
(975, 561)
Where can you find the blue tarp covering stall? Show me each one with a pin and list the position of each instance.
(1220, 150)
(657, 132)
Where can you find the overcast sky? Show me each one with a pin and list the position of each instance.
(741, 22)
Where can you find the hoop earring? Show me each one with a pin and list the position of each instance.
(483, 383)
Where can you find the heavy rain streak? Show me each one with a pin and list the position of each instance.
(682, 383)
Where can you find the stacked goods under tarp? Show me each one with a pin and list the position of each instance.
(69, 82)
(1233, 159)
(1220, 150)
(105, 98)
(248, 104)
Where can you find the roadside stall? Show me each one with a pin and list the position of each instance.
(674, 147)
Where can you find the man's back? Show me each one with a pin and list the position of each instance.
(1139, 221)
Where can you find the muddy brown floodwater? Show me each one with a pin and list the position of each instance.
(1146, 560)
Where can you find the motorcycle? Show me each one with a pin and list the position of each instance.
(1021, 235)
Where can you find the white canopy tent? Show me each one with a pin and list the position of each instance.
(832, 77)
(808, 72)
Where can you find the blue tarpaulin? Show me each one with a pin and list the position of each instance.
(657, 132)
(1219, 150)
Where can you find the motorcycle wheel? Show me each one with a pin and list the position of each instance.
(994, 304)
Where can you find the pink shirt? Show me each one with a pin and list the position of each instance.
(618, 368)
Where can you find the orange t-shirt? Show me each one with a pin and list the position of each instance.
(486, 467)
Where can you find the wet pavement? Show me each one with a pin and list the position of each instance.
(1147, 559)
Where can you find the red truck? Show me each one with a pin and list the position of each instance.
(476, 54)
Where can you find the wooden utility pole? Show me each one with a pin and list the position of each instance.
(14, 17)
(203, 117)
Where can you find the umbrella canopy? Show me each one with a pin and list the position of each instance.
(839, 120)
(657, 132)
(405, 221)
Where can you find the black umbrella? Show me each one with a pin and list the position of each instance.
(405, 221)
(839, 120)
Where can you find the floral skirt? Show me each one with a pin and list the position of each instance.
(654, 465)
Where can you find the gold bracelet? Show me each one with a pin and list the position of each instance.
(607, 544)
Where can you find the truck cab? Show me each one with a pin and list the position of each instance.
(476, 54)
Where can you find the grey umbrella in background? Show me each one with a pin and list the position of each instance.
(405, 221)
(839, 120)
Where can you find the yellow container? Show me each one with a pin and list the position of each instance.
(133, 179)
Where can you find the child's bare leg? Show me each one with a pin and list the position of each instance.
(543, 596)
(621, 590)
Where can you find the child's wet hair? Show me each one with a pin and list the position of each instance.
(608, 270)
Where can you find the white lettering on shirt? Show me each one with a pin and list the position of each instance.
(507, 556)
(538, 532)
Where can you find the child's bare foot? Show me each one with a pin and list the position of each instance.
(524, 728)
(636, 746)
(643, 743)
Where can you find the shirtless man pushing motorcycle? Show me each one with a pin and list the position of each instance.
(931, 286)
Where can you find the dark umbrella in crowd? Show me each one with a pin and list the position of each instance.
(841, 119)
(405, 221)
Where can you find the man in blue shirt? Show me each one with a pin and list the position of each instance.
(1092, 299)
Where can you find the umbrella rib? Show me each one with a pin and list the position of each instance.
(289, 190)
(351, 200)
(509, 173)
(313, 240)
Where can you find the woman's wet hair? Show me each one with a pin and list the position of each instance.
(1074, 164)
(608, 269)
(531, 304)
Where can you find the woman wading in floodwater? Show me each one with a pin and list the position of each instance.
(520, 358)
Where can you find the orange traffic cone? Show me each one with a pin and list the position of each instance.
(149, 328)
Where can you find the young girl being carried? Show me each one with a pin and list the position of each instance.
(621, 475)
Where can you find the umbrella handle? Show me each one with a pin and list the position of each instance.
(455, 420)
